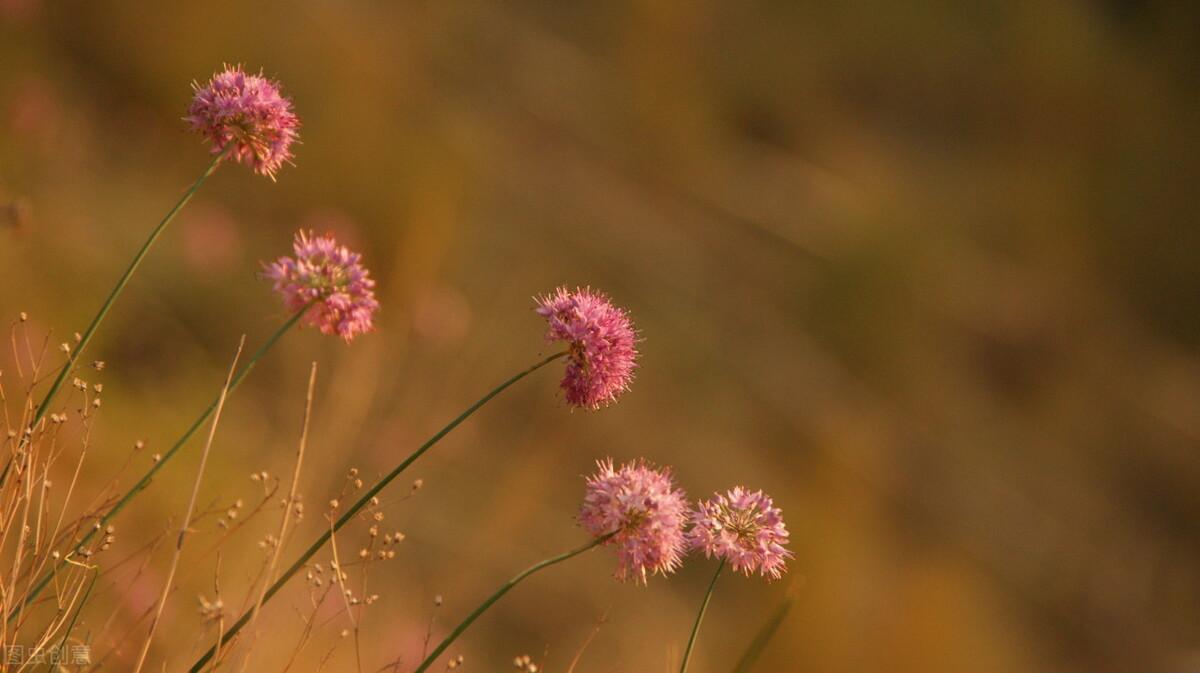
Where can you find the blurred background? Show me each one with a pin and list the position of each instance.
(925, 272)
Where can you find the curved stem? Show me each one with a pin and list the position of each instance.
(687, 654)
(158, 465)
(86, 337)
(362, 502)
(458, 630)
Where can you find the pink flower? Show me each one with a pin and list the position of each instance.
(602, 345)
(249, 113)
(745, 529)
(644, 510)
(332, 279)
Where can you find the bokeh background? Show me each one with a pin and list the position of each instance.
(925, 272)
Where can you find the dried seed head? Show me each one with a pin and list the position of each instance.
(211, 611)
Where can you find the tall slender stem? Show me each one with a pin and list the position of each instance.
(687, 654)
(62, 644)
(158, 465)
(186, 522)
(86, 337)
(458, 630)
(362, 502)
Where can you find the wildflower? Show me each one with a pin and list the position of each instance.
(743, 528)
(602, 345)
(332, 279)
(249, 113)
(643, 511)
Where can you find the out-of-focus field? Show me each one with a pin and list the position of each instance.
(927, 273)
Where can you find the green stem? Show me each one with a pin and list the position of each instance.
(77, 351)
(74, 618)
(687, 654)
(362, 502)
(458, 630)
(158, 465)
(768, 630)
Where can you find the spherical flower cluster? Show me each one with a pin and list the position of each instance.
(602, 345)
(643, 511)
(331, 279)
(745, 529)
(249, 113)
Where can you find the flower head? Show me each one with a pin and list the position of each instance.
(602, 351)
(249, 113)
(746, 529)
(330, 278)
(643, 511)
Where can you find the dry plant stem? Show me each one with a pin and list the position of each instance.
(217, 596)
(588, 641)
(145, 480)
(309, 623)
(187, 517)
(687, 654)
(73, 356)
(366, 498)
(339, 579)
(53, 539)
(70, 627)
(48, 634)
(458, 630)
(291, 500)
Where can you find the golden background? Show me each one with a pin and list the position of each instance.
(924, 272)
